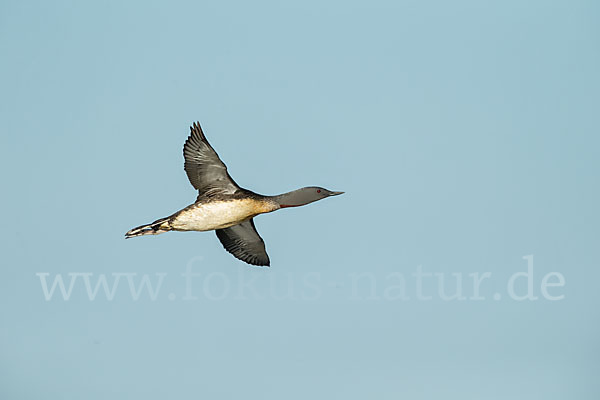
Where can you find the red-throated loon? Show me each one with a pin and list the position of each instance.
(223, 206)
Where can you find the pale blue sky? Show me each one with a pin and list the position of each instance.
(464, 133)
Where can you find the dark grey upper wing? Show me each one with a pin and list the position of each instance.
(204, 168)
(244, 242)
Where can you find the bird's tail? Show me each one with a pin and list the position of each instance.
(155, 228)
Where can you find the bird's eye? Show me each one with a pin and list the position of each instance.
(318, 190)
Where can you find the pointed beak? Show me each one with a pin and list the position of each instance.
(335, 193)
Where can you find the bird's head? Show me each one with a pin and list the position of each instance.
(305, 195)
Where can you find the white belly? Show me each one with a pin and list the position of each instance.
(217, 215)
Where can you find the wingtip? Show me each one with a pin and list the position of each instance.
(258, 263)
(196, 130)
(255, 262)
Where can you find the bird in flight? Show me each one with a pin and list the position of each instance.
(223, 206)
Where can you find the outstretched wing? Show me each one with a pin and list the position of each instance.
(204, 168)
(244, 242)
